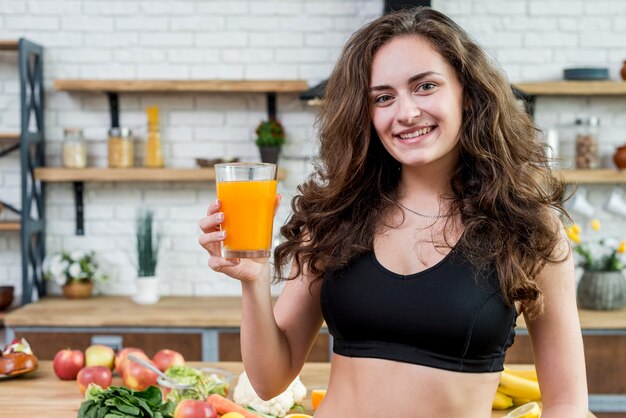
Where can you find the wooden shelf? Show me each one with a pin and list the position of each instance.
(9, 137)
(10, 226)
(9, 45)
(573, 88)
(52, 174)
(603, 176)
(199, 86)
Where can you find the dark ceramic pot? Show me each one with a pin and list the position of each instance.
(620, 157)
(6, 297)
(269, 154)
(602, 290)
(623, 72)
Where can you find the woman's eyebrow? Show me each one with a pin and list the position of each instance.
(416, 77)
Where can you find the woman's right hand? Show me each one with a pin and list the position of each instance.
(246, 270)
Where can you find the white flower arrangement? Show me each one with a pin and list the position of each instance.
(71, 266)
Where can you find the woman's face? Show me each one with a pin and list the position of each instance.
(416, 103)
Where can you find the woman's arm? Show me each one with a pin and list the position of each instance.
(557, 341)
(274, 342)
(275, 345)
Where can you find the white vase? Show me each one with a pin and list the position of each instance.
(147, 291)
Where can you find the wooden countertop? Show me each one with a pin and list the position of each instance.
(121, 311)
(41, 395)
(192, 312)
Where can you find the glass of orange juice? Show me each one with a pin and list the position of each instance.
(248, 194)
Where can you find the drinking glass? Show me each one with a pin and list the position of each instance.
(248, 194)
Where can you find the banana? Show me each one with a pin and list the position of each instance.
(525, 373)
(520, 401)
(519, 387)
(501, 401)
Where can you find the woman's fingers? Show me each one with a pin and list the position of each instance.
(214, 207)
(211, 222)
(279, 198)
(211, 240)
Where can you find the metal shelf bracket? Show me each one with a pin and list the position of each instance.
(80, 207)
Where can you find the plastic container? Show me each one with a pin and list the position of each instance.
(587, 147)
(74, 154)
(120, 146)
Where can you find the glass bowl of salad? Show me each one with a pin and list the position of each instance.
(204, 381)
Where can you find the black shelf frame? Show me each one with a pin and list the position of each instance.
(32, 155)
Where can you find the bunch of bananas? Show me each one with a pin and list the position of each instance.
(516, 387)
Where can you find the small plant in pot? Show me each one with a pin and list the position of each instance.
(602, 285)
(147, 242)
(74, 271)
(270, 137)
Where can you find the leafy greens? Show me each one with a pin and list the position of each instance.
(121, 402)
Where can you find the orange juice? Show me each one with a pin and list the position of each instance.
(248, 208)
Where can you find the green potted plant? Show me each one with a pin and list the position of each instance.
(602, 285)
(147, 242)
(270, 137)
(74, 271)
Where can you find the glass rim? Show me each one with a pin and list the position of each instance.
(245, 164)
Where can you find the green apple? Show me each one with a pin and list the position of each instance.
(99, 355)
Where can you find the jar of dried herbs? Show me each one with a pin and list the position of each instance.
(120, 146)
(587, 147)
(74, 149)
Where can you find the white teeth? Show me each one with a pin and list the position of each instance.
(417, 133)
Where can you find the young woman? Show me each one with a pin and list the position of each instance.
(428, 226)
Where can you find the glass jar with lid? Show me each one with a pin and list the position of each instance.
(587, 147)
(74, 149)
(120, 147)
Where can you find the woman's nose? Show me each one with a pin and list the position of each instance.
(408, 110)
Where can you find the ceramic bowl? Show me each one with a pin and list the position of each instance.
(6, 297)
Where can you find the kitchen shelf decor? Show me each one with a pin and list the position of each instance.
(121, 175)
(30, 143)
(113, 87)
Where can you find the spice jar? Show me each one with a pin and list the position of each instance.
(74, 154)
(587, 149)
(120, 148)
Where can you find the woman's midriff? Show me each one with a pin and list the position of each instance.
(375, 388)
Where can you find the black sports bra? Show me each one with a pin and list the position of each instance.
(447, 316)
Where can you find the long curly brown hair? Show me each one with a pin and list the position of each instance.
(502, 187)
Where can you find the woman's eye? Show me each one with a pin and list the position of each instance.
(383, 98)
(426, 86)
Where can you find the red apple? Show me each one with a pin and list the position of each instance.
(100, 375)
(165, 359)
(194, 409)
(99, 355)
(67, 363)
(121, 358)
(136, 376)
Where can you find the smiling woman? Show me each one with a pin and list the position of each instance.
(427, 228)
(416, 105)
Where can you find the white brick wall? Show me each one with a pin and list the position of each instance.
(253, 39)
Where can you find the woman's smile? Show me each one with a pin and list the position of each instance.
(412, 136)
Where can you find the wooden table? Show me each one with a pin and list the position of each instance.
(42, 395)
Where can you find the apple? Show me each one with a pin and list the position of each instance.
(137, 377)
(165, 359)
(194, 409)
(121, 358)
(100, 375)
(67, 363)
(99, 355)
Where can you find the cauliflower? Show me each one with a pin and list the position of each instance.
(278, 406)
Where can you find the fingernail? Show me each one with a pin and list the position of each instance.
(222, 234)
(220, 216)
(217, 203)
